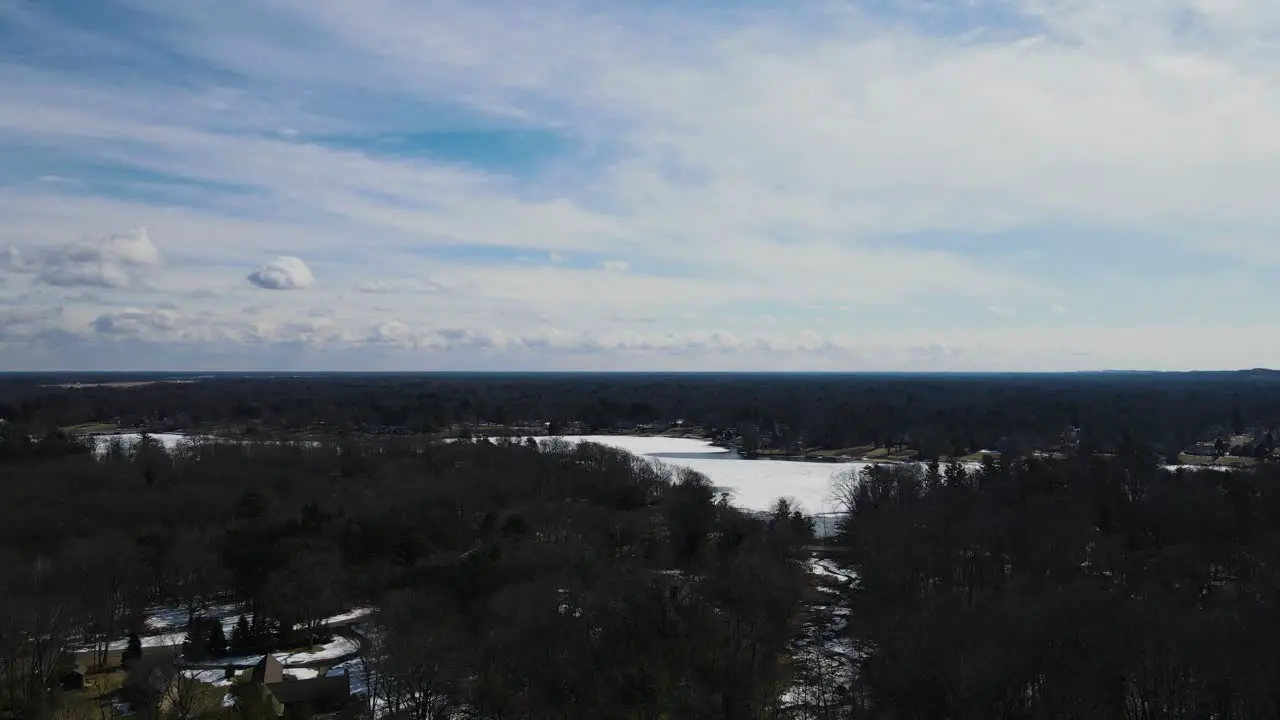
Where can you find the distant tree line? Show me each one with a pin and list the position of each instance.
(941, 415)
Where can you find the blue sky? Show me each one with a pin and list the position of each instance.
(753, 185)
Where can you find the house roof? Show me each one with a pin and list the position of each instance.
(331, 688)
(268, 670)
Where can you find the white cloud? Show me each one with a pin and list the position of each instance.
(284, 273)
(117, 261)
(134, 321)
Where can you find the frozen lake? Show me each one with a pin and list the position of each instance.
(753, 484)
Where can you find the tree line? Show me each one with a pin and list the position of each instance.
(941, 415)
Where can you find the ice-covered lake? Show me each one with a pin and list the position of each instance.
(753, 484)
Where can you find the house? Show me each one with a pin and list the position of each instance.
(73, 677)
(301, 698)
(1202, 450)
(115, 658)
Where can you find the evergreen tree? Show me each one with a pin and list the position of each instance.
(216, 643)
(932, 476)
(242, 636)
(132, 651)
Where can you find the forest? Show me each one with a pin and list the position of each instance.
(512, 582)
(518, 580)
(1082, 588)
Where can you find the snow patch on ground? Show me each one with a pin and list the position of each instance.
(336, 648)
(160, 618)
(169, 621)
(345, 618)
(301, 673)
(148, 641)
(216, 678)
(332, 650)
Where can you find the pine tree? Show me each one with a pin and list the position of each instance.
(932, 476)
(217, 641)
(242, 636)
(132, 651)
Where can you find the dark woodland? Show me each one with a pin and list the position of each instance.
(526, 582)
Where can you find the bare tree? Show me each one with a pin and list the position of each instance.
(844, 489)
(411, 676)
(181, 695)
(35, 625)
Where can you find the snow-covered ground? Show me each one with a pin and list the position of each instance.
(168, 440)
(160, 618)
(336, 648)
(166, 623)
(301, 673)
(173, 639)
(346, 618)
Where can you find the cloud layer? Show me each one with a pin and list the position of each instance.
(1012, 184)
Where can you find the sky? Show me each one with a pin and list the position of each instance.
(994, 185)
